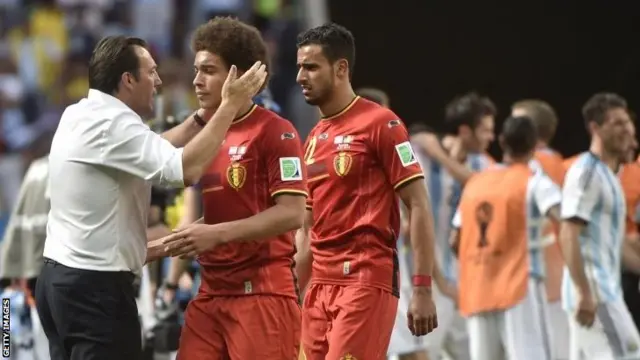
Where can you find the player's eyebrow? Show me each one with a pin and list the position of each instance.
(204, 66)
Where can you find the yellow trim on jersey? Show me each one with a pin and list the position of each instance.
(316, 178)
(289, 191)
(341, 112)
(407, 179)
(212, 189)
(245, 116)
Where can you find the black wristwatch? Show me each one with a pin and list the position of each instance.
(199, 120)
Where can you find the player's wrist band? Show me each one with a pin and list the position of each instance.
(421, 280)
(199, 120)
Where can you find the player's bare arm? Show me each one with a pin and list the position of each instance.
(422, 312)
(570, 247)
(554, 213)
(286, 215)
(304, 257)
(430, 144)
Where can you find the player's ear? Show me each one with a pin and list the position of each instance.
(592, 127)
(342, 68)
(127, 80)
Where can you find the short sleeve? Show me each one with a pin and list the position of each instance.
(580, 192)
(128, 145)
(456, 222)
(393, 149)
(307, 144)
(546, 193)
(284, 160)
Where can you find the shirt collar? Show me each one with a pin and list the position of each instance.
(100, 96)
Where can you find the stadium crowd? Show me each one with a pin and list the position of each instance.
(576, 216)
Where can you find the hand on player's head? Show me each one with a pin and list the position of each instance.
(246, 86)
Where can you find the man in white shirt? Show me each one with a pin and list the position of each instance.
(592, 239)
(102, 163)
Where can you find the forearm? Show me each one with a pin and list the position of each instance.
(180, 135)
(422, 240)
(274, 221)
(155, 251)
(456, 169)
(200, 151)
(303, 258)
(570, 247)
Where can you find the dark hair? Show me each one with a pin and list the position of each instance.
(232, 40)
(468, 110)
(596, 108)
(336, 41)
(543, 116)
(112, 57)
(376, 95)
(519, 135)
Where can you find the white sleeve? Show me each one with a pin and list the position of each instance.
(580, 192)
(128, 145)
(546, 193)
(456, 222)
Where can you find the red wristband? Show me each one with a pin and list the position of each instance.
(421, 280)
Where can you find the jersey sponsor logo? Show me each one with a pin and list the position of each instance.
(236, 175)
(290, 169)
(323, 136)
(343, 141)
(406, 154)
(342, 163)
(287, 136)
(393, 123)
(237, 152)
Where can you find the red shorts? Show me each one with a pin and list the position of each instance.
(347, 322)
(241, 327)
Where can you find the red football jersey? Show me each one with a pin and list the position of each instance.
(356, 160)
(260, 159)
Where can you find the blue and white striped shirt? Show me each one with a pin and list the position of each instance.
(592, 193)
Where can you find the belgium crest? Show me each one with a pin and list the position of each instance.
(342, 163)
(236, 175)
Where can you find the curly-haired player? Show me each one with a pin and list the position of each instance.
(253, 197)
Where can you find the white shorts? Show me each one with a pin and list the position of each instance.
(613, 336)
(522, 332)
(451, 333)
(559, 325)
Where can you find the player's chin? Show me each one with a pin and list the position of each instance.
(311, 100)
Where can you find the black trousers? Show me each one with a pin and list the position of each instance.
(88, 315)
(630, 283)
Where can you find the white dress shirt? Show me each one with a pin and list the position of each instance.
(102, 163)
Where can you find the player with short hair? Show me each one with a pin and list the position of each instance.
(360, 161)
(253, 199)
(592, 237)
(498, 239)
(550, 161)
